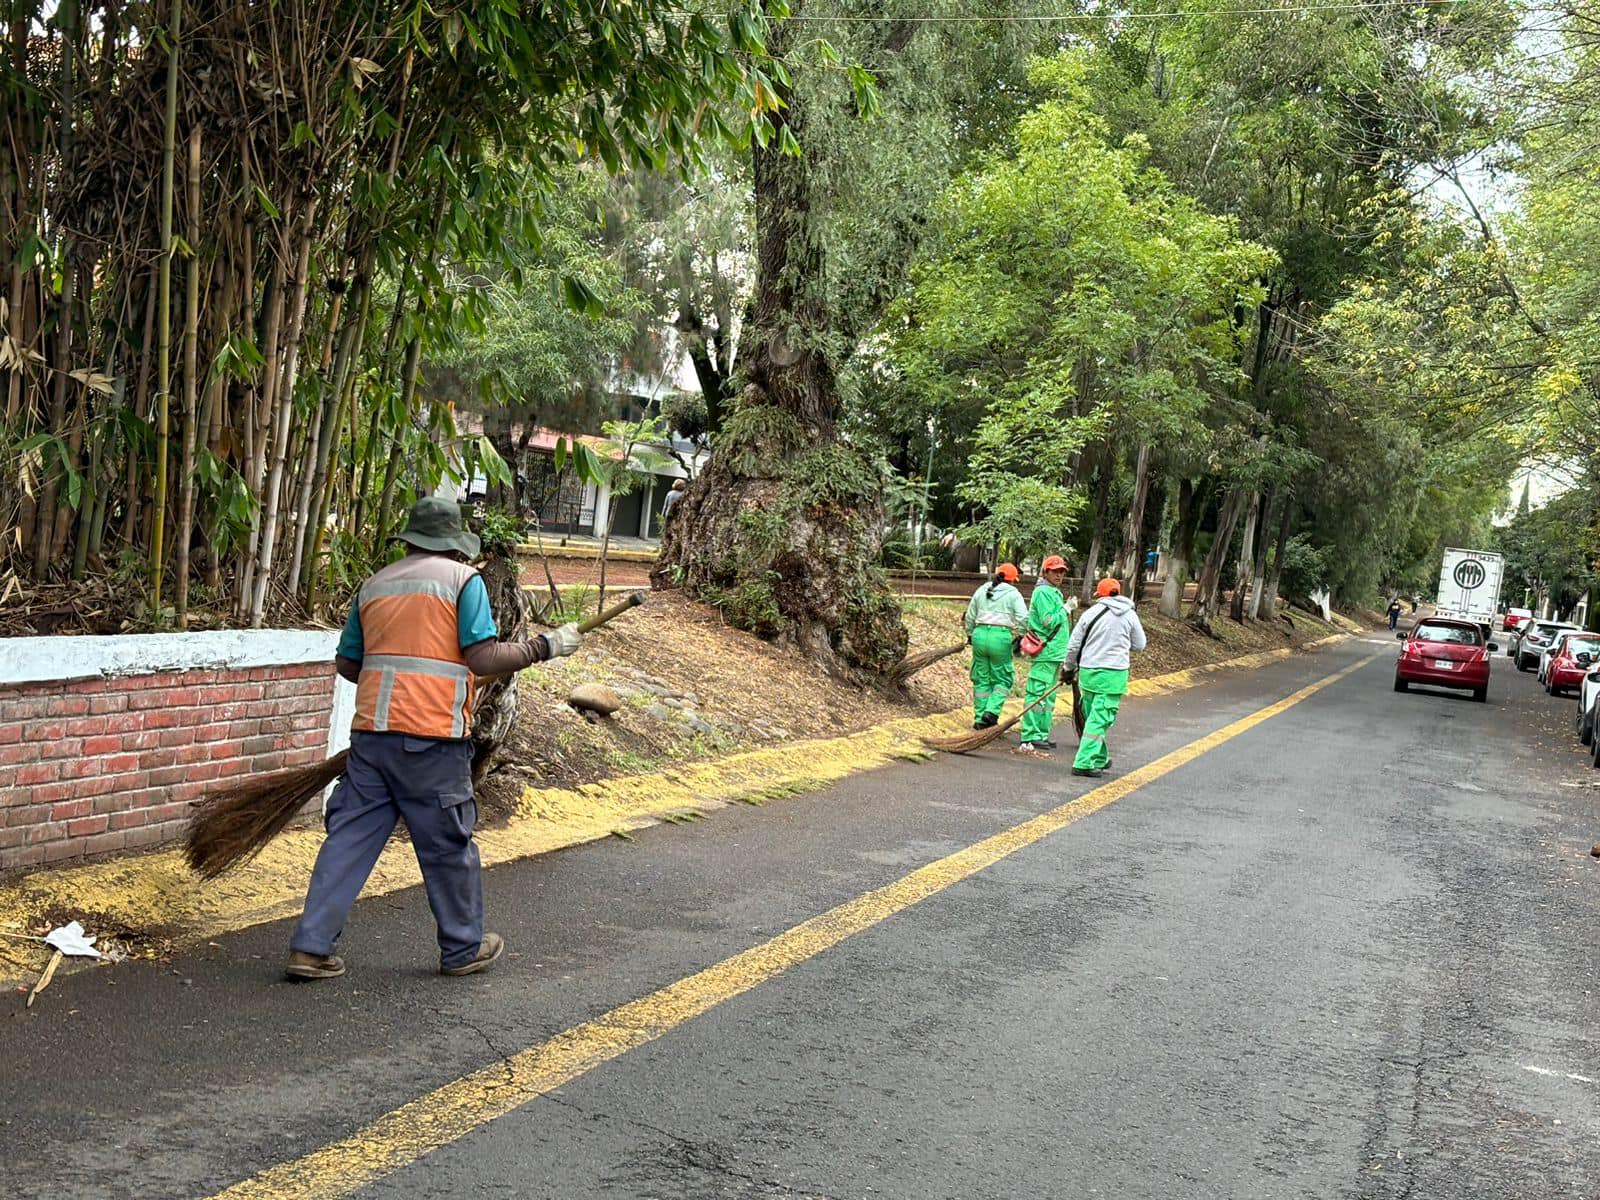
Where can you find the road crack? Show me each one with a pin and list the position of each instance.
(505, 1056)
(700, 1156)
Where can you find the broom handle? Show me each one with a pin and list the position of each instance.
(593, 623)
(1029, 708)
(610, 614)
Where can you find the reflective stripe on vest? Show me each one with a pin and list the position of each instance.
(414, 677)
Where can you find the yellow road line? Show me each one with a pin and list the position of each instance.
(401, 1137)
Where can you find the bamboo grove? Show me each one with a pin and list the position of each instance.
(226, 229)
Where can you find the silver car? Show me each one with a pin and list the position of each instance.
(1533, 639)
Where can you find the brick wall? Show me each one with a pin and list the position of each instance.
(105, 765)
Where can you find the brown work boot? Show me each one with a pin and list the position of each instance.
(313, 966)
(491, 948)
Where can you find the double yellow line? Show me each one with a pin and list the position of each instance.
(401, 1137)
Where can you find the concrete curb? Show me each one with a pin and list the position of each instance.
(156, 896)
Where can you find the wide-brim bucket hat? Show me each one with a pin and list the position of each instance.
(435, 524)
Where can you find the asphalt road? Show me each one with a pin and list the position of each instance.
(1348, 953)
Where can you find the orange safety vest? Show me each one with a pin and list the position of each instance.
(414, 677)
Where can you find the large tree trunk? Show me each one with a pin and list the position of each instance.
(1091, 559)
(1181, 551)
(1127, 568)
(1258, 572)
(1268, 607)
(1243, 577)
(783, 529)
(1209, 590)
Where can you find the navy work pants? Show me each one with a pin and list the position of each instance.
(428, 782)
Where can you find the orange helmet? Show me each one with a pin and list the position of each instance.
(1108, 587)
(1007, 571)
(1054, 563)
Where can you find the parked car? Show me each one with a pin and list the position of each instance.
(1516, 618)
(1589, 714)
(1532, 639)
(1552, 648)
(1588, 700)
(1444, 652)
(1574, 652)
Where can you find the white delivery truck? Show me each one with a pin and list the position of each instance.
(1469, 586)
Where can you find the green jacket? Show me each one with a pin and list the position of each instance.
(997, 604)
(1047, 617)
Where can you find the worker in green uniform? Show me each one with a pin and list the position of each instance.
(995, 616)
(1098, 650)
(1047, 621)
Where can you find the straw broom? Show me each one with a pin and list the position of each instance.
(968, 742)
(912, 663)
(232, 826)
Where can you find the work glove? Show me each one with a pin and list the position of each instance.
(1068, 674)
(563, 641)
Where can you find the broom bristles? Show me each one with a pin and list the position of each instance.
(968, 742)
(912, 663)
(232, 826)
(978, 739)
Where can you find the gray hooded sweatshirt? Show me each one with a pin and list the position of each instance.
(1115, 631)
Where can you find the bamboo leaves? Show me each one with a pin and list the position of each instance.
(380, 146)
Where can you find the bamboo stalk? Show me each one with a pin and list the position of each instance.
(258, 421)
(45, 516)
(191, 387)
(291, 358)
(319, 447)
(344, 378)
(141, 402)
(169, 144)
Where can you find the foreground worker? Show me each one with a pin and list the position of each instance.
(419, 631)
(1099, 652)
(995, 615)
(1047, 621)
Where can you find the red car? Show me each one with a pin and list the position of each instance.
(1568, 665)
(1516, 618)
(1444, 653)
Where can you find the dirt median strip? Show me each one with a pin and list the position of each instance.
(163, 906)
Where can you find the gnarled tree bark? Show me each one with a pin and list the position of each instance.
(783, 529)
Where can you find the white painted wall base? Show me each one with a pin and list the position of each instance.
(67, 659)
(42, 659)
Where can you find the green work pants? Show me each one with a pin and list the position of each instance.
(992, 672)
(1099, 714)
(1036, 722)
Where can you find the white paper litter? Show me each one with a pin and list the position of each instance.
(69, 939)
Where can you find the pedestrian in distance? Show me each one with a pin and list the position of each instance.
(673, 498)
(419, 633)
(1049, 626)
(1098, 652)
(1394, 612)
(995, 616)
